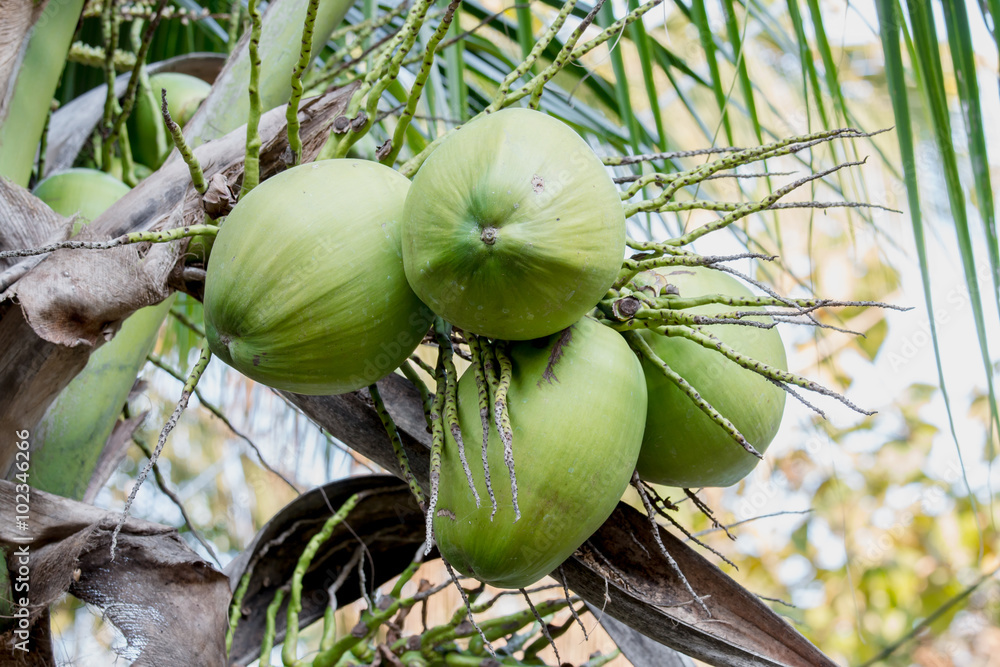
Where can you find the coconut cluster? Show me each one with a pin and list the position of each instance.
(325, 278)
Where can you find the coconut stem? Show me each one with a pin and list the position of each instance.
(468, 608)
(128, 102)
(305, 559)
(576, 616)
(292, 111)
(236, 610)
(128, 164)
(194, 167)
(168, 492)
(543, 42)
(164, 236)
(336, 63)
(501, 416)
(537, 84)
(371, 621)
(93, 56)
(437, 439)
(787, 146)
(659, 505)
(192, 382)
(631, 267)
(109, 33)
(251, 163)
(545, 626)
(425, 396)
(707, 511)
(755, 207)
(803, 305)
(397, 445)
(479, 354)
(362, 37)
(711, 342)
(650, 514)
(645, 318)
(384, 72)
(555, 632)
(270, 618)
(451, 404)
(232, 32)
(417, 90)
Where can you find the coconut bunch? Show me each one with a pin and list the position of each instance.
(596, 360)
(588, 370)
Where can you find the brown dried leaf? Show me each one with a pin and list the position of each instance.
(387, 521)
(67, 306)
(169, 603)
(27, 222)
(35, 651)
(639, 649)
(33, 372)
(647, 595)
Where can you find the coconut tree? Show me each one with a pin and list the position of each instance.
(663, 93)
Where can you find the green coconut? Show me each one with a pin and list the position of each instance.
(85, 193)
(305, 288)
(577, 404)
(513, 227)
(682, 446)
(150, 140)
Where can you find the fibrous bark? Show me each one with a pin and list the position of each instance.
(169, 603)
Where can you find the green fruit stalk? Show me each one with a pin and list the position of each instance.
(513, 227)
(577, 404)
(149, 137)
(682, 446)
(305, 288)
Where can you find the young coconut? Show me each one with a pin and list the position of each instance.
(82, 192)
(682, 446)
(513, 228)
(305, 288)
(577, 404)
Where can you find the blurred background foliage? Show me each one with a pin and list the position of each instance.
(864, 531)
